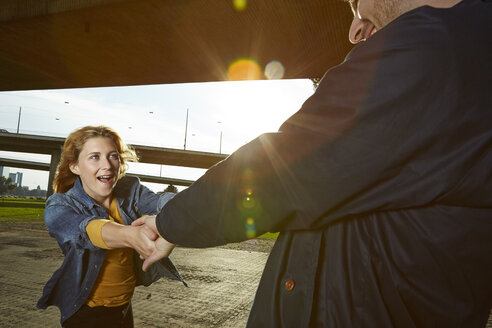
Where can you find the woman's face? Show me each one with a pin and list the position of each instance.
(98, 167)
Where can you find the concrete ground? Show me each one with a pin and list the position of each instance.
(222, 283)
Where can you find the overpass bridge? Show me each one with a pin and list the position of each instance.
(52, 146)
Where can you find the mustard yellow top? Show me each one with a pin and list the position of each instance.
(115, 283)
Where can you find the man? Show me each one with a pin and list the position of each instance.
(380, 185)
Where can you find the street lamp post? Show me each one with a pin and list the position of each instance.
(186, 128)
(220, 145)
(18, 120)
(220, 140)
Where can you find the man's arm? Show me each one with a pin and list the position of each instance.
(377, 135)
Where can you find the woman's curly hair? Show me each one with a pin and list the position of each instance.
(64, 178)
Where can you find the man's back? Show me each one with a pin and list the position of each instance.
(380, 185)
(413, 247)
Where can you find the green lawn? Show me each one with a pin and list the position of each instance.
(269, 235)
(21, 208)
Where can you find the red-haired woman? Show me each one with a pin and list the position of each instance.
(90, 217)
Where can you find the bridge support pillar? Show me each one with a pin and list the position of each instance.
(55, 158)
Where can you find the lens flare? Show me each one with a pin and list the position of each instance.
(248, 202)
(250, 228)
(239, 5)
(244, 69)
(274, 70)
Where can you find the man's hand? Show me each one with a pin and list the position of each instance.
(142, 239)
(163, 248)
(148, 220)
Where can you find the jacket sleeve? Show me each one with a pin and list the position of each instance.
(67, 224)
(378, 134)
(137, 196)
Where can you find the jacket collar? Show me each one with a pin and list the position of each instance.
(77, 191)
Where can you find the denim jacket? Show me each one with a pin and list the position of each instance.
(67, 214)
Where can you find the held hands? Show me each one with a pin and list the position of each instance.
(161, 247)
(142, 239)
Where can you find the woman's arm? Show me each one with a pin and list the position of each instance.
(140, 238)
(149, 202)
(70, 226)
(67, 224)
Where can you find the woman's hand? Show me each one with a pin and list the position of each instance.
(142, 239)
(163, 248)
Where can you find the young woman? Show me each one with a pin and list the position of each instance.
(90, 217)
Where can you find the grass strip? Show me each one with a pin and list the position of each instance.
(269, 235)
(20, 213)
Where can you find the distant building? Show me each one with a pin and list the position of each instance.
(16, 178)
(19, 179)
(4, 171)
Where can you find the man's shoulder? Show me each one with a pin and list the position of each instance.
(419, 27)
(446, 34)
(444, 24)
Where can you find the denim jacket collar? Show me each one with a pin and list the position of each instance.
(78, 192)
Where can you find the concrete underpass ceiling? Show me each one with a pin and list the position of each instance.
(47, 44)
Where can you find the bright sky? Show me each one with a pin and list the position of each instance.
(156, 116)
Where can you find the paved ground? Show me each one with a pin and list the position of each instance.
(222, 283)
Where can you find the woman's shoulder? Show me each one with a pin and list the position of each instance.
(59, 205)
(128, 182)
(69, 199)
(126, 185)
(58, 198)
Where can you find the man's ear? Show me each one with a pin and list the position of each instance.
(74, 167)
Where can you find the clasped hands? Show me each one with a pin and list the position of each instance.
(150, 245)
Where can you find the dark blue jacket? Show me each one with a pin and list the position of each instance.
(380, 185)
(67, 214)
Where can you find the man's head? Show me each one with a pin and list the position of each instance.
(372, 15)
